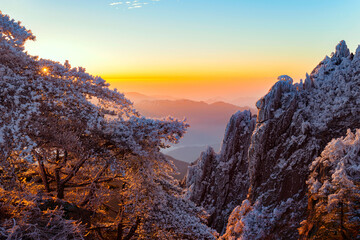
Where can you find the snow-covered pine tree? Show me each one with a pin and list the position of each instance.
(334, 191)
(67, 138)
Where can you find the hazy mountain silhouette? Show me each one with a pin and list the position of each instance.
(239, 101)
(195, 112)
(136, 97)
(207, 121)
(244, 101)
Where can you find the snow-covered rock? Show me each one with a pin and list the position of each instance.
(334, 187)
(342, 50)
(294, 124)
(219, 182)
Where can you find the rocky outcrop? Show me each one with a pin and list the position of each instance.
(294, 124)
(219, 182)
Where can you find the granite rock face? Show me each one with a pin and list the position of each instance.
(220, 182)
(294, 124)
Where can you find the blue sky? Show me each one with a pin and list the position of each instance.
(222, 42)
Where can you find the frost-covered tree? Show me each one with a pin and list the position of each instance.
(27, 216)
(334, 191)
(64, 133)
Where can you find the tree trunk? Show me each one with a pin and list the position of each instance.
(59, 185)
(342, 227)
(132, 230)
(60, 191)
(120, 230)
(120, 226)
(43, 174)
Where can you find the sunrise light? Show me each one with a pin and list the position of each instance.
(180, 119)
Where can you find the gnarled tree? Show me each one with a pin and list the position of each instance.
(64, 133)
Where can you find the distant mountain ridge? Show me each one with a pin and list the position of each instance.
(194, 111)
(136, 97)
(207, 121)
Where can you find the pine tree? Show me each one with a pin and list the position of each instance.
(68, 138)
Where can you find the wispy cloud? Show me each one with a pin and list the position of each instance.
(131, 4)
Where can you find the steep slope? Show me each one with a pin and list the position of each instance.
(219, 182)
(294, 124)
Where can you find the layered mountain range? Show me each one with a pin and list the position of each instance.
(207, 121)
(256, 187)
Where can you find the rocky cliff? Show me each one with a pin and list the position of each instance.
(271, 167)
(220, 182)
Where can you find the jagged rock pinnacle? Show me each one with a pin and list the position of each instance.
(357, 53)
(294, 124)
(342, 50)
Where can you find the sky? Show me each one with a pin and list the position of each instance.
(197, 49)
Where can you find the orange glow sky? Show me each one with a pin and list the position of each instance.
(195, 49)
